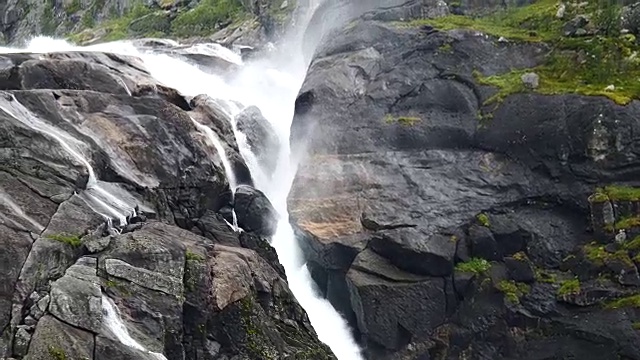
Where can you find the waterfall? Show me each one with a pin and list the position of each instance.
(113, 322)
(100, 200)
(271, 84)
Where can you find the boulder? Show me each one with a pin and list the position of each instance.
(254, 211)
(75, 297)
(55, 339)
(261, 138)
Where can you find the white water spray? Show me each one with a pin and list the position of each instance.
(272, 85)
(111, 319)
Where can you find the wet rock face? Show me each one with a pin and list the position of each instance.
(184, 284)
(254, 211)
(455, 239)
(261, 138)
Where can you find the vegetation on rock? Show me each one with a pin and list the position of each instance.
(513, 291)
(585, 65)
(73, 240)
(632, 301)
(402, 120)
(569, 287)
(205, 18)
(474, 265)
(57, 354)
(483, 219)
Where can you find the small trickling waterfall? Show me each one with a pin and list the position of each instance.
(111, 319)
(98, 198)
(228, 169)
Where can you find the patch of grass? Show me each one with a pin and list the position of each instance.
(47, 20)
(632, 301)
(402, 120)
(73, 240)
(57, 353)
(633, 244)
(191, 256)
(483, 219)
(584, 65)
(206, 18)
(474, 265)
(512, 290)
(599, 196)
(569, 287)
(622, 193)
(636, 325)
(534, 22)
(597, 255)
(627, 223)
(445, 48)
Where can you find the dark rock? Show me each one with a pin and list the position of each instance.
(416, 251)
(254, 211)
(483, 244)
(573, 27)
(520, 269)
(372, 277)
(214, 227)
(261, 138)
(21, 342)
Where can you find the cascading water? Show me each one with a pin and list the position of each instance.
(272, 85)
(98, 198)
(112, 320)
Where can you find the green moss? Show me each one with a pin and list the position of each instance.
(622, 193)
(206, 18)
(191, 256)
(569, 287)
(584, 65)
(57, 353)
(633, 244)
(513, 291)
(483, 219)
(598, 256)
(445, 48)
(402, 120)
(636, 325)
(632, 301)
(520, 256)
(474, 265)
(627, 223)
(73, 240)
(544, 276)
(599, 196)
(534, 22)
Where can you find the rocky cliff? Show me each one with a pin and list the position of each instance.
(87, 134)
(86, 21)
(469, 189)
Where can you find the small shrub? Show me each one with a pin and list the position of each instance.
(474, 265)
(483, 219)
(73, 240)
(513, 291)
(569, 287)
